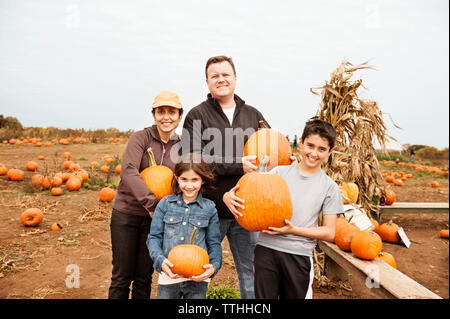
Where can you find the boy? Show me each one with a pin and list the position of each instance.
(283, 256)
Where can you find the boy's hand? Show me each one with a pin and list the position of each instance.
(287, 229)
(247, 163)
(233, 202)
(166, 267)
(209, 271)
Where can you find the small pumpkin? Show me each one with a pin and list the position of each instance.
(67, 155)
(435, 184)
(67, 164)
(344, 234)
(188, 259)
(105, 169)
(56, 226)
(269, 142)
(349, 191)
(31, 217)
(107, 194)
(387, 258)
(94, 164)
(443, 233)
(56, 181)
(56, 191)
(390, 179)
(41, 157)
(366, 244)
(3, 170)
(389, 232)
(267, 199)
(15, 174)
(158, 178)
(390, 197)
(118, 169)
(32, 166)
(376, 225)
(398, 182)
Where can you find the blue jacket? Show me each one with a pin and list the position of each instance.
(173, 223)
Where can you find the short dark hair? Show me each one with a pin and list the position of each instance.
(195, 162)
(218, 59)
(323, 129)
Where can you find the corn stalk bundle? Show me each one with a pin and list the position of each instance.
(357, 123)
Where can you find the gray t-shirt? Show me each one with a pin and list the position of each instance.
(310, 195)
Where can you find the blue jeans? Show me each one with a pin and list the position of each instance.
(242, 245)
(183, 290)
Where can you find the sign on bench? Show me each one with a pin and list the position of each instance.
(383, 280)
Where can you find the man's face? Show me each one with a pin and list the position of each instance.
(221, 79)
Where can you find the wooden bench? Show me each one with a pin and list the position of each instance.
(412, 208)
(382, 279)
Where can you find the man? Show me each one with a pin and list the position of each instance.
(218, 128)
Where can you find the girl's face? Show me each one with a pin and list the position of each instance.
(190, 184)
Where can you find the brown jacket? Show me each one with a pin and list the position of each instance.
(133, 197)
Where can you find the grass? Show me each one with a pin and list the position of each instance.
(222, 292)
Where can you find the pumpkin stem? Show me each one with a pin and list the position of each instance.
(262, 124)
(152, 161)
(262, 167)
(192, 239)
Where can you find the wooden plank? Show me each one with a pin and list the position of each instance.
(383, 280)
(415, 208)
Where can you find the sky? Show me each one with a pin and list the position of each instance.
(99, 63)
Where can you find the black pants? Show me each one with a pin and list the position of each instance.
(282, 275)
(130, 257)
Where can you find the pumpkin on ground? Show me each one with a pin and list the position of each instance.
(32, 166)
(267, 199)
(3, 170)
(270, 142)
(389, 232)
(398, 182)
(387, 258)
(15, 174)
(435, 184)
(56, 226)
(158, 178)
(56, 191)
(31, 217)
(105, 169)
(73, 183)
(188, 259)
(443, 233)
(107, 194)
(37, 180)
(366, 244)
(349, 191)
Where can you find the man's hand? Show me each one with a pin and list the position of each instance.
(151, 214)
(166, 267)
(209, 271)
(247, 163)
(233, 202)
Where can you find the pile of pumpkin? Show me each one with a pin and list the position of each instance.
(366, 244)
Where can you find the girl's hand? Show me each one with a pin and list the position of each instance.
(209, 271)
(247, 163)
(287, 229)
(166, 267)
(232, 201)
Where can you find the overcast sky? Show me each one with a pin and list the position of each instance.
(99, 63)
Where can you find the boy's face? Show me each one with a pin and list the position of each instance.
(314, 150)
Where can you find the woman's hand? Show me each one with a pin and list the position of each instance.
(233, 202)
(166, 267)
(209, 271)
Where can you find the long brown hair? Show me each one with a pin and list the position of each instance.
(192, 161)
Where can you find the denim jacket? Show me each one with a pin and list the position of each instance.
(173, 223)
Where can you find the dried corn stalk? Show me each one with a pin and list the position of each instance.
(357, 123)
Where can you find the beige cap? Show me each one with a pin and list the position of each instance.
(167, 98)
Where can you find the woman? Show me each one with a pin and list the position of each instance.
(134, 203)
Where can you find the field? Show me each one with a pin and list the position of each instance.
(36, 262)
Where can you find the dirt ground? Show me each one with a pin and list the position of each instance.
(36, 262)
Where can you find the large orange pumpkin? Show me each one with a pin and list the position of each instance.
(158, 178)
(366, 244)
(270, 142)
(73, 183)
(387, 258)
(15, 174)
(389, 232)
(31, 217)
(267, 199)
(188, 259)
(107, 194)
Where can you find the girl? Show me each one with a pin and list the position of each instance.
(173, 222)
(134, 203)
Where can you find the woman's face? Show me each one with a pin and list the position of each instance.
(166, 118)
